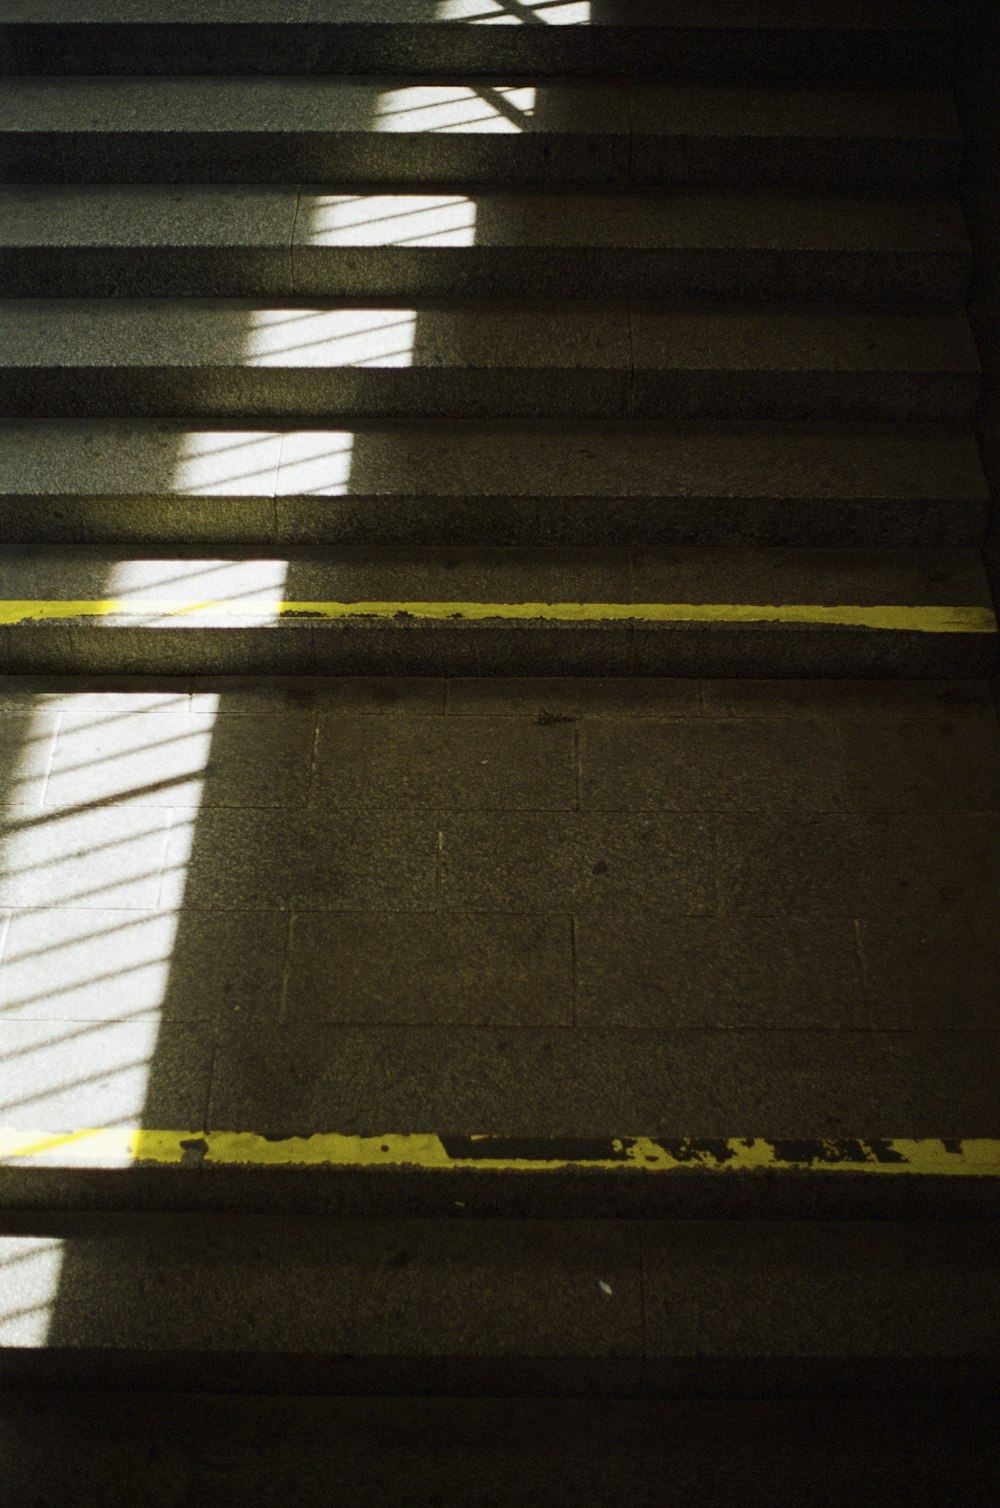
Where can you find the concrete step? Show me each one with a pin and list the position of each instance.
(238, 1450)
(477, 360)
(493, 133)
(166, 483)
(898, 41)
(498, 1307)
(157, 241)
(535, 611)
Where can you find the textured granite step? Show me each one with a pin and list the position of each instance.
(904, 41)
(398, 131)
(150, 241)
(176, 482)
(489, 359)
(459, 1306)
(540, 611)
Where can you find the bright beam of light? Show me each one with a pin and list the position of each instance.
(29, 1282)
(391, 220)
(227, 463)
(317, 463)
(455, 107)
(332, 337)
(515, 12)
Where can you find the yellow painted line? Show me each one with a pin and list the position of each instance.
(895, 617)
(111, 1146)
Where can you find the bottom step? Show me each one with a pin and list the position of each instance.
(682, 1308)
(504, 611)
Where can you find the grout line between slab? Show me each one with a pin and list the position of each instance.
(285, 970)
(720, 907)
(574, 970)
(57, 734)
(292, 265)
(862, 975)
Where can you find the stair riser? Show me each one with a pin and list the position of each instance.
(481, 271)
(926, 167)
(713, 53)
(334, 396)
(500, 1375)
(447, 649)
(555, 1195)
(429, 520)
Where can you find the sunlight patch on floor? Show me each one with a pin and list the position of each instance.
(456, 107)
(29, 1282)
(390, 219)
(515, 12)
(226, 463)
(331, 337)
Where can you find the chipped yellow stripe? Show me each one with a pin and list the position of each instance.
(111, 1146)
(921, 619)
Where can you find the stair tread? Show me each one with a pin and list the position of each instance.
(52, 457)
(481, 335)
(373, 107)
(499, 575)
(254, 215)
(854, 15)
(442, 1290)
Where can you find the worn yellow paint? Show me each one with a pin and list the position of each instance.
(975, 1157)
(931, 619)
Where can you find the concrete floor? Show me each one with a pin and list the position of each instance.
(539, 908)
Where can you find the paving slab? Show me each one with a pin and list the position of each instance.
(63, 1076)
(590, 1083)
(666, 973)
(586, 861)
(855, 865)
(247, 859)
(486, 764)
(941, 973)
(483, 968)
(89, 857)
(175, 760)
(710, 765)
(60, 964)
(924, 765)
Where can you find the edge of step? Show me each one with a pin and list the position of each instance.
(463, 1306)
(523, 1178)
(294, 130)
(501, 611)
(901, 42)
(148, 241)
(104, 481)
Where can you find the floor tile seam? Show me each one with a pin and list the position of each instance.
(293, 274)
(284, 1016)
(315, 743)
(6, 920)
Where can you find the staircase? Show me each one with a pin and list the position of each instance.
(506, 470)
